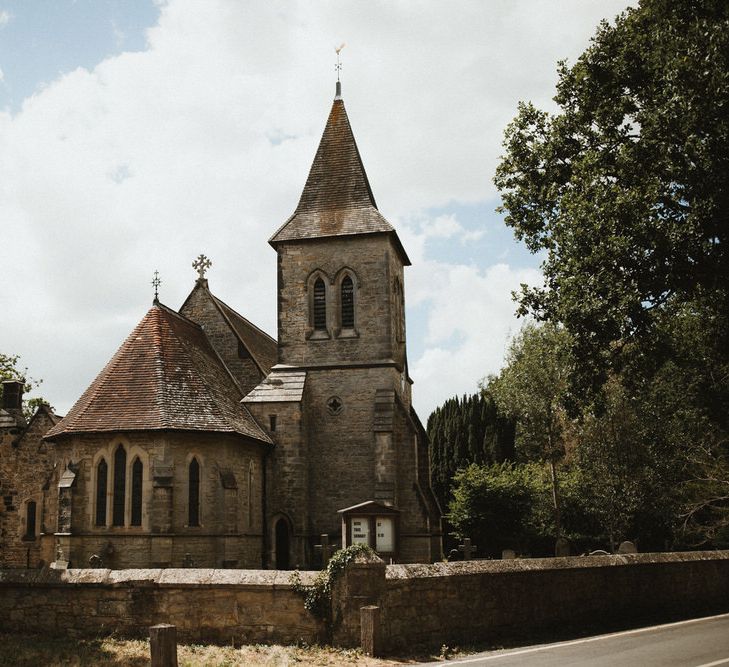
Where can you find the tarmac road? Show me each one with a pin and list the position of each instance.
(701, 642)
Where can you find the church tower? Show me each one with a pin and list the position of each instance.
(351, 458)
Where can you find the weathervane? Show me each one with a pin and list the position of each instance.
(156, 282)
(338, 69)
(338, 66)
(201, 265)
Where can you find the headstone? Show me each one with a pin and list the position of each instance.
(627, 547)
(562, 548)
(370, 630)
(95, 561)
(163, 645)
(508, 554)
(187, 561)
(467, 548)
(325, 549)
(454, 554)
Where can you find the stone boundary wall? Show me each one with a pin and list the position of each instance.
(443, 603)
(448, 603)
(210, 605)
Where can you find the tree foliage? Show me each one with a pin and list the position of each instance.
(626, 187)
(462, 431)
(532, 389)
(10, 370)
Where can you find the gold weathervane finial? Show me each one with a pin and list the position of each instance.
(201, 265)
(338, 66)
(156, 282)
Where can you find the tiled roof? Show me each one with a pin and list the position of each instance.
(283, 385)
(261, 346)
(337, 199)
(166, 375)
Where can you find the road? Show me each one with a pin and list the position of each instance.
(702, 642)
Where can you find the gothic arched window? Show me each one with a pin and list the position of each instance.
(101, 482)
(120, 483)
(251, 468)
(347, 303)
(137, 470)
(193, 497)
(320, 305)
(30, 519)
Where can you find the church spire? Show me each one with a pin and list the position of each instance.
(337, 199)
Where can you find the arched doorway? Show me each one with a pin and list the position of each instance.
(282, 544)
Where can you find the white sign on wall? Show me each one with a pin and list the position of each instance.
(360, 530)
(385, 542)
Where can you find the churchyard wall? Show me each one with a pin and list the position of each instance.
(462, 602)
(221, 606)
(444, 603)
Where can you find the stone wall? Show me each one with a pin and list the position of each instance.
(450, 603)
(230, 504)
(245, 606)
(200, 308)
(26, 465)
(373, 263)
(444, 603)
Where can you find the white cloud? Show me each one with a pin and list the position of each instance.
(202, 143)
(4, 17)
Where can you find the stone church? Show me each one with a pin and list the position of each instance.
(205, 442)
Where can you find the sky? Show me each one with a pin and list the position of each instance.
(135, 135)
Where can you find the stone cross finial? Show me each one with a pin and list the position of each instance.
(201, 265)
(156, 282)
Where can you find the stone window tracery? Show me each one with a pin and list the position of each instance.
(102, 472)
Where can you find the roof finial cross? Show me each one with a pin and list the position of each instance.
(201, 265)
(156, 282)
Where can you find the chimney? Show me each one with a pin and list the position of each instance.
(13, 399)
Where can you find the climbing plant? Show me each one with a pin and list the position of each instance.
(318, 595)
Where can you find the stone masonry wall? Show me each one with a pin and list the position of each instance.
(231, 520)
(448, 603)
(245, 606)
(25, 467)
(200, 308)
(444, 603)
(373, 260)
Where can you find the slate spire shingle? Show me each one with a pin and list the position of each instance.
(337, 199)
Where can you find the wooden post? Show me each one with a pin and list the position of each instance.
(370, 629)
(163, 645)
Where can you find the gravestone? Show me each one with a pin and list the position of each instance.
(562, 548)
(95, 561)
(508, 554)
(467, 549)
(627, 547)
(325, 549)
(187, 561)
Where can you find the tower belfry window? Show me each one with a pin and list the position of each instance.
(320, 305)
(347, 303)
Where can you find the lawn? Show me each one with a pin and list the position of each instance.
(31, 650)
